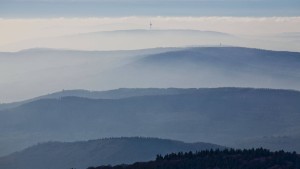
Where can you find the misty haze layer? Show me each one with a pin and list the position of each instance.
(134, 39)
(42, 71)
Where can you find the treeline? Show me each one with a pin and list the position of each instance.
(219, 159)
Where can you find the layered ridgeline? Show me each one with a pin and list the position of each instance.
(109, 94)
(80, 155)
(46, 71)
(234, 117)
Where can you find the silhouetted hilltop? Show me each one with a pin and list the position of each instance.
(216, 159)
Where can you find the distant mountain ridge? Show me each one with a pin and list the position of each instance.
(215, 67)
(83, 154)
(119, 40)
(154, 31)
(117, 94)
(211, 115)
(109, 94)
(197, 67)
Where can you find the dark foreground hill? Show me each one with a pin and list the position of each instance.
(226, 159)
(224, 116)
(80, 155)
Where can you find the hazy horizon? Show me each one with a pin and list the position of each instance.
(273, 33)
(267, 24)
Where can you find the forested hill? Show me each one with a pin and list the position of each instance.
(216, 159)
(82, 154)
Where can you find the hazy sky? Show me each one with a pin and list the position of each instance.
(93, 8)
(30, 19)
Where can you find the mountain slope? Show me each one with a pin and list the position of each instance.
(81, 155)
(213, 67)
(224, 116)
(48, 70)
(45, 71)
